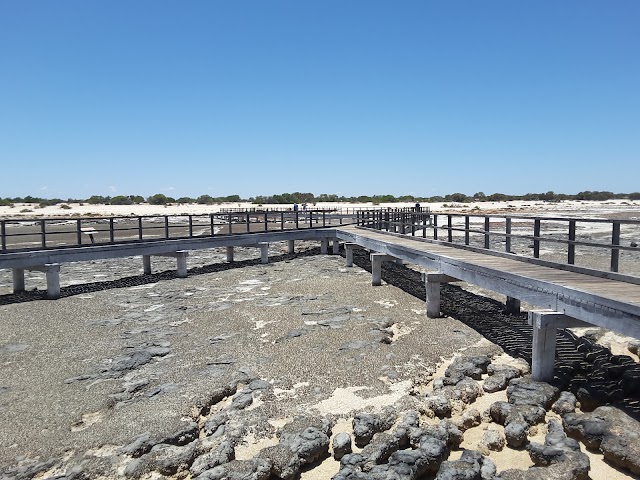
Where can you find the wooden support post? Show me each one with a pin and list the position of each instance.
(615, 252)
(335, 248)
(52, 271)
(536, 240)
(43, 233)
(507, 238)
(146, 264)
(79, 232)
(18, 280)
(181, 263)
(166, 226)
(264, 252)
(324, 244)
(435, 227)
(487, 227)
(291, 246)
(571, 250)
(348, 248)
(229, 254)
(543, 353)
(449, 231)
(545, 323)
(376, 268)
(466, 229)
(512, 305)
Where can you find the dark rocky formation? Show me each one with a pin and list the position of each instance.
(565, 404)
(471, 466)
(341, 445)
(365, 425)
(610, 431)
(559, 458)
(499, 378)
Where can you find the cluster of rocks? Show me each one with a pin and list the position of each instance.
(385, 445)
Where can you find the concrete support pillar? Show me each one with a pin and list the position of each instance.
(18, 280)
(52, 271)
(264, 252)
(336, 246)
(432, 286)
(181, 263)
(433, 297)
(376, 267)
(146, 264)
(229, 254)
(348, 248)
(512, 305)
(291, 246)
(324, 246)
(543, 353)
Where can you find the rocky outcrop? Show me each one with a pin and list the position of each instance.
(610, 431)
(559, 458)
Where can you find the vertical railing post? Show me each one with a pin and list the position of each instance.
(166, 226)
(449, 232)
(248, 221)
(281, 220)
(190, 226)
(536, 240)
(324, 219)
(211, 224)
(112, 236)
(413, 224)
(230, 225)
(310, 218)
(435, 227)
(466, 229)
(3, 234)
(386, 220)
(297, 220)
(507, 237)
(266, 222)
(43, 233)
(615, 241)
(571, 247)
(79, 232)
(487, 240)
(140, 228)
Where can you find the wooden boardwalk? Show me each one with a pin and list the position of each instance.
(568, 299)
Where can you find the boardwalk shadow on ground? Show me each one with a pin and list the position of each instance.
(583, 366)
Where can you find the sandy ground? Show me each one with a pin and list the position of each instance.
(306, 324)
(568, 207)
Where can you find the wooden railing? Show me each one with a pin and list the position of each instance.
(21, 234)
(528, 232)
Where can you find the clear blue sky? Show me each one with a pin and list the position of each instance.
(349, 97)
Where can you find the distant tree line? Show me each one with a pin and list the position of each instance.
(310, 198)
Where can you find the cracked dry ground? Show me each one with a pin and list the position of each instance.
(259, 371)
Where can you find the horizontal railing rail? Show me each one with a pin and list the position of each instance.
(623, 235)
